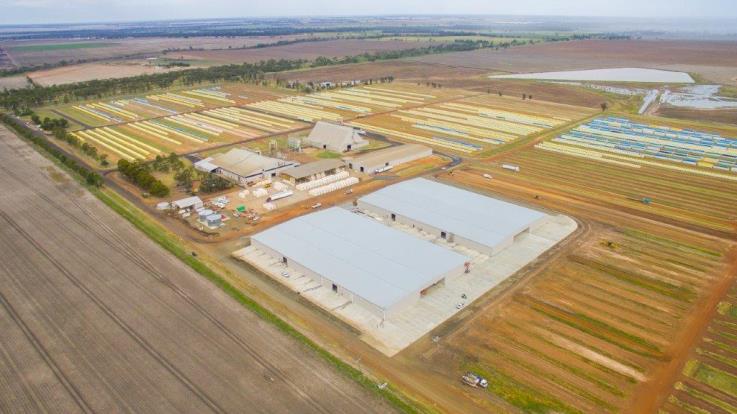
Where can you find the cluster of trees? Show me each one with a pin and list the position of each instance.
(58, 128)
(168, 163)
(139, 174)
(209, 183)
(90, 177)
(49, 124)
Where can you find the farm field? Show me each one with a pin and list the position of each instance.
(95, 317)
(708, 381)
(592, 326)
(39, 52)
(156, 105)
(346, 103)
(471, 125)
(91, 71)
(305, 50)
(625, 142)
(710, 59)
(183, 133)
(698, 202)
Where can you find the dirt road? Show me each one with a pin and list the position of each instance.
(96, 318)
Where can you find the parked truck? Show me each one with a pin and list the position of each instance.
(473, 380)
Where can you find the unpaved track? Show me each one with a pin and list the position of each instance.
(97, 318)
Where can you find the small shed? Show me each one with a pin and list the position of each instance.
(214, 220)
(189, 203)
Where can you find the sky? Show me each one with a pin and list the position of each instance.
(74, 11)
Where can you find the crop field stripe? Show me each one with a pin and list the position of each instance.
(645, 181)
(191, 124)
(399, 92)
(257, 118)
(133, 144)
(187, 118)
(257, 114)
(119, 143)
(141, 127)
(388, 96)
(109, 147)
(120, 112)
(488, 123)
(411, 137)
(514, 116)
(112, 132)
(292, 110)
(328, 102)
(171, 100)
(157, 126)
(360, 99)
(452, 128)
(378, 99)
(492, 123)
(90, 113)
(242, 121)
(215, 121)
(177, 97)
(207, 96)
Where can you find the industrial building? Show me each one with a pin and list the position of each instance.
(333, 137)
(312, 171)
(478, 222)
(243, 167)
(375, 266)
(387, 158)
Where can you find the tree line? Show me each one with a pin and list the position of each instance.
(139, 174)
(90, 177)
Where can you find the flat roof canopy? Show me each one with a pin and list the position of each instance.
(475, 217)
(376, 262)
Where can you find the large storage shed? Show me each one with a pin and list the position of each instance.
(243, 166)
(481, 223)
(383, 159)
(312, 171)
(334, 137)
(373, 265)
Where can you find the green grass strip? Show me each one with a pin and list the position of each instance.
(520, 395)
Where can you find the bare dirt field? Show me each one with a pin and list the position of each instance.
(39, 52)
(727, 116)
(400, 69)
(13, 82)
(91, 71)
(307, 50)
(97, 318)
(712, 60)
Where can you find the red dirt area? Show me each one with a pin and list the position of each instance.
(725, 116)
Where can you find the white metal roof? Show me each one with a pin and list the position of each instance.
(187, 202)
(381, 264)
(482, 219)
(246, 163)
(325, 133)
